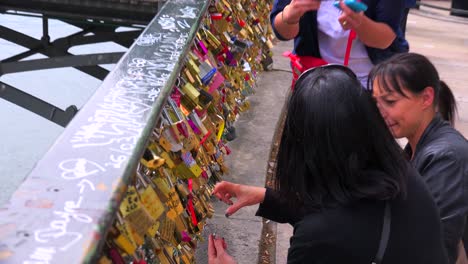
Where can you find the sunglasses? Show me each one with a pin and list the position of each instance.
(335, 66)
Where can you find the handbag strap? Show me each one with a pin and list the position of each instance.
(349, 45)
(385, 234)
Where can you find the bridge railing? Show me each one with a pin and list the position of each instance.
(457, 7)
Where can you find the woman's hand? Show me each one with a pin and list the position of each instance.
(371, 33)
(245, 195)
(293, 12)
(217, 251)
(286, 22)
(350, 19)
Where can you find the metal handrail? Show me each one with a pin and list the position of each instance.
(62, 211)
(452, 10)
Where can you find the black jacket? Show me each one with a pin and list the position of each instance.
(351, 234)
(441, 158)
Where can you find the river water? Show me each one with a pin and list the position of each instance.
(24, 136)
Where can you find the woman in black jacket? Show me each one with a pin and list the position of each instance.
(418, 106)
(339, 175)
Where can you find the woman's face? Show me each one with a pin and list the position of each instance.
(401, 113)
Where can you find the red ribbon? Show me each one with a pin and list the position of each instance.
(205, 137)
(190, 204)
(182, 129)
(294, 60)
(216, 16)
(352, 36)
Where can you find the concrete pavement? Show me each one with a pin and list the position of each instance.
(443, 38)
(249, 160)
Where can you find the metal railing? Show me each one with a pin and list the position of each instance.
(62, 211)
(453, 11)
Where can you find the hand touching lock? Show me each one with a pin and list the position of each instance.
(245, 195)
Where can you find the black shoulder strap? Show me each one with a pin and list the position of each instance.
(385, 234)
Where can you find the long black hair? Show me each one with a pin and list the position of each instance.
(335, 147)
(414, 72)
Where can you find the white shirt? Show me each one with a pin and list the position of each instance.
(333, 41)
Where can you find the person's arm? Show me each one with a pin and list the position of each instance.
(245, 195)
(285, 25)
(272, 205)
(277, 209)
(286, 15)
(375, 34)
(378, 33)
(444, 175)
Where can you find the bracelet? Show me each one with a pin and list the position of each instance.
(284, 21)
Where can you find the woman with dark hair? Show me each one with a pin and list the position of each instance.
(342, 182)
(418, 106)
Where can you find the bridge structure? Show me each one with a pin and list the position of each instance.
(97, 20)
(162, 116)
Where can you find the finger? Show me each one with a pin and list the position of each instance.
(224, 187)
(211, 247)
(303, 4)
(222, 196)
(350, 22)
(218, 187)
(224, 244)
(310, 2)
(228, 198)
(344, 22)
(342, 19)
(220, 191)
(219, 195)
(233, 208)
(218, 243)
(226, 201)
(307, 6)
(346, 10)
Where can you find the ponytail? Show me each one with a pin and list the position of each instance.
(447, 104)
